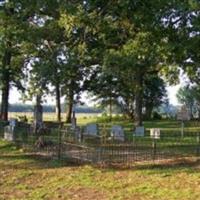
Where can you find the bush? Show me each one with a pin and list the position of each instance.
(157, 116)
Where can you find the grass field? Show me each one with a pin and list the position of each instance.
(81, 117)
(27, 177)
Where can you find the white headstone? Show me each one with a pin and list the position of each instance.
(117, 133)
(155, 133)
(139, 131)
(91, 129)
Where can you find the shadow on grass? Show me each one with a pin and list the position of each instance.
(6, 146)
(187, 165)
(33, 161)
(178, 164)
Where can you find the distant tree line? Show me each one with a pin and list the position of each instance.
(50, 108)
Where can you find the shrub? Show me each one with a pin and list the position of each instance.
(156, 116)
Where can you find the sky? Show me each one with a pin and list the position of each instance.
(172, 91)
(15, 96)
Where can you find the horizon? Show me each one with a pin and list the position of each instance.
(15, 96)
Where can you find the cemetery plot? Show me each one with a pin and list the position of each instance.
(72, 144)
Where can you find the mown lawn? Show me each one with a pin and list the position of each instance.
(23, 176)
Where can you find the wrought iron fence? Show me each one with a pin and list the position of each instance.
(64, 144)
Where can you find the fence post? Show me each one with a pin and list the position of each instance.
(154, 148)
(59, 144)
(198, 144)
(182, 129)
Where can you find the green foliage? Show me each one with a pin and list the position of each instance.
(116, 51)
(157, 116)
(190, 97)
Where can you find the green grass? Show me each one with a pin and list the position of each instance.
(26, 177)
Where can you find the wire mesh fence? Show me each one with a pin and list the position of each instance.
(65, 144)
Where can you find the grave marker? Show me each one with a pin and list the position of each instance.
(183, 115)
(139, 131)
(155, 133)
(117, 133)
(9, 133)
(73, 120)
(91, 129)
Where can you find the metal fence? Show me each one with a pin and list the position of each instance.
(64, 144)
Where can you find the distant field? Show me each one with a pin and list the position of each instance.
(84, 118)
(52, 116)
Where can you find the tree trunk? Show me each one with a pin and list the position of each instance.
(110, 108)
(4, 100)
(58, 104)
(199, 114)
(138, 99)
(191, 112)
(70, 106)
(38, 114)
(5, 85)
(148, 113)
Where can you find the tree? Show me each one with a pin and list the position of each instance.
(13, 22)
(82, 50)
(155, 94)
(190, 97)
(103, 88)
(44, 50)
(133, 43)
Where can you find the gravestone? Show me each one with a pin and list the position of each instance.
(183, 115)
(155, 133)
(78, 135)
(38, 118)
(9, 133)
(139, 131)
(13, 122)
(91, 130)
(117, 133)
(73, 120)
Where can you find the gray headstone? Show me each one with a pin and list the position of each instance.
(117, 133)
(38, 114)
(73, 123)
(139, 131)
(91, 129)
(13, 122)
(9, 133)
